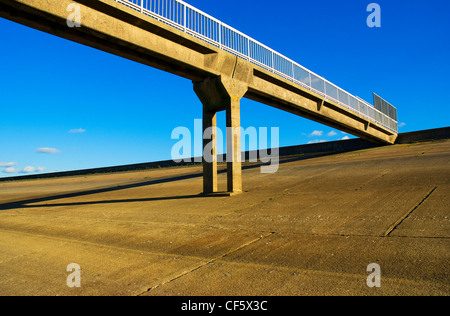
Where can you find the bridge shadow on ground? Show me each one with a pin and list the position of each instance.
(25, 203)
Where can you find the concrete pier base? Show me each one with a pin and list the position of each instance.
(221, 94)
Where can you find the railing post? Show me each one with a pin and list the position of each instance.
(142, 6)
(220, 35)
(184, 17)
(248, 49)
(273, 62)
(293, 77)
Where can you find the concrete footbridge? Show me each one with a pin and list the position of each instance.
(224, 65)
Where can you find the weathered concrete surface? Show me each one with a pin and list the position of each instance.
(310, 229)
(425, 135)
(114, 28)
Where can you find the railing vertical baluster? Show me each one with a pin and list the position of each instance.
(273, 65)
(293, 77)
(220, 35)
(184, 17)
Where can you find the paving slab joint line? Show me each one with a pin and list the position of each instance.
(401, 219)
(208, 262)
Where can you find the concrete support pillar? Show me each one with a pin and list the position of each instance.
(222, 94)
(210, 157)
(234, 167)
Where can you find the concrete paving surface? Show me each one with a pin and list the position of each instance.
(312, 228)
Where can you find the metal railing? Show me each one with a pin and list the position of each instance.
(195, 22)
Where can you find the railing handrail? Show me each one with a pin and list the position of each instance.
(221, 43)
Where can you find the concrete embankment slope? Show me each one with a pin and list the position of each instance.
(308, 151)
(312, 228)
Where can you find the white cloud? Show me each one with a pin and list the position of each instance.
(402, 124)
(77, 131)
(29, 169)
(8, 164)
(11, 170)
(331, 134)
(345, 138)
(316, 141)
(46, 150)
(316, 133)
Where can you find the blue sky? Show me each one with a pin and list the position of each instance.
(64, 106)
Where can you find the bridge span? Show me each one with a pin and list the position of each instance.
(224, 65)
